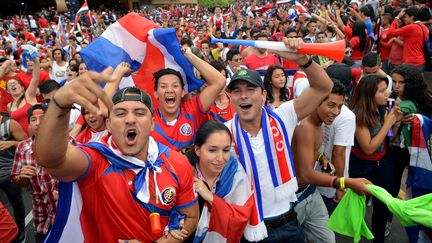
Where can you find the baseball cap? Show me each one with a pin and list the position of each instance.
(133, 94)
(36, 110)
(248, 75)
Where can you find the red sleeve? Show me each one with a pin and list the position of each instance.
(354, 42)
(186, 195)
(348, 32)
(44, 76)
(95, 169)
(356, 73)
(80, 120)
(407, 30)
(194, 108)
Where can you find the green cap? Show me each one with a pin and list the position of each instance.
(248, 75)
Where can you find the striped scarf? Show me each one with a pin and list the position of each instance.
(279, 158)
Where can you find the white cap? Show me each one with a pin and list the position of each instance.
(354, 1)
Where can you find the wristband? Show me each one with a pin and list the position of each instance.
(332, 181)
(342, 182)
(307, 64)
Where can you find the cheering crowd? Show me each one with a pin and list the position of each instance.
(263, 151)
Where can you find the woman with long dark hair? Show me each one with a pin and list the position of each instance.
(275, 81)
(225, 197)
(359, 42)
(370, 157)
(23, 99)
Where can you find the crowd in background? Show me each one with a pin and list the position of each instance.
(387, 52)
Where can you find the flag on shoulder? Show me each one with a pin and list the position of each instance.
(145, 46)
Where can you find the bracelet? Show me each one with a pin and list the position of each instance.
(320, 157)
(61, 107)
(307, 64)
(332, 181)
(342, 183)
(65, 110)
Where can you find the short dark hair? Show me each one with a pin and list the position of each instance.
(370, 59)
(366, 11)
(413, 11)
(48, 86)
(218, 65)
(290, 30)
(388, 17)
(261, 35)
(231, 53)
(311, 21)
(33, 108)
(157, 75)
(186, 41)
(338, 87)
(205, 42)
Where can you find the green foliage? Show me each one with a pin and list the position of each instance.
(214, 3)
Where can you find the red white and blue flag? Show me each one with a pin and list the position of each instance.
(83, 10)
(302, 10)
(61, 35)
(145, 46)
(420, 167)
(225, 220)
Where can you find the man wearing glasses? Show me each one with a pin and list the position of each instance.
(234, 60)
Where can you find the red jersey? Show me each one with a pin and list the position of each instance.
(414, 36)
(384, 45)
(182, 133)
(114, 212)
(218, 114)
(260, 63)
(25, 77)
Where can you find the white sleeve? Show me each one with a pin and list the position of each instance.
(289, 117)
(345, 129)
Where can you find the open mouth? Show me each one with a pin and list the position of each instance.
(245, 107)
(170, 100)
(131, 135)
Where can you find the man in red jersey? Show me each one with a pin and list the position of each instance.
(129, 184)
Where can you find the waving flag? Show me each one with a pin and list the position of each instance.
(61, 35)
(84, 9)
(302, 10)
(145, 46)
(283, 1)
(420, 167)
(264, 8)
(229, 11)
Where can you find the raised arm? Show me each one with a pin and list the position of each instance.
(30, 93)
(320, 83)
(215, 81)
(67, 162)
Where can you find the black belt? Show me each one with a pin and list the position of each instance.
(278, 221)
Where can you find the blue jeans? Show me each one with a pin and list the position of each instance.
(380, 173)
(289, 232)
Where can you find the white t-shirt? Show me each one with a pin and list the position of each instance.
(341, 133)
(271, 207)
(33, 23)
(58, 73)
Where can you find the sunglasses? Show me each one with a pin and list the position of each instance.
(348, 52)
